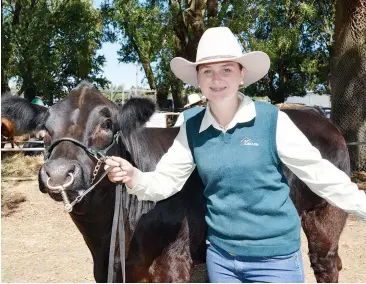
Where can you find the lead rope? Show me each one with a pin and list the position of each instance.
(121, 228)
(117, 226)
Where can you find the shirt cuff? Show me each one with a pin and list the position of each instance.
(137, 186)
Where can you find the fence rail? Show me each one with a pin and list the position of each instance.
(356, 143)
(21, 141)
(21, 149)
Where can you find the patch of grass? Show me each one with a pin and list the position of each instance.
(10, 203)
(18, 165)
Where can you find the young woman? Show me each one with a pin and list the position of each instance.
(238, 147)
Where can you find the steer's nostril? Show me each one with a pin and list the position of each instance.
(69, 181)
(60, 187)
(59, 172)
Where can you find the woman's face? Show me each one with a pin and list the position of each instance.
(220, 81)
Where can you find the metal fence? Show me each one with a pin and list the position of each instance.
(8, 146)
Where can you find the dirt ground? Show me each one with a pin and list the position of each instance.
(40, 243)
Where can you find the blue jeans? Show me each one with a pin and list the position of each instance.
(223, 267)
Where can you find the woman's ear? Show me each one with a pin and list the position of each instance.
(242, 75)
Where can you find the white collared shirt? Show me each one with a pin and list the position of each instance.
(294, 150)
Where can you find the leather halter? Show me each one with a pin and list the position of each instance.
(92, 152)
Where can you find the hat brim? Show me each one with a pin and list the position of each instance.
(255, 63)
(187, 105)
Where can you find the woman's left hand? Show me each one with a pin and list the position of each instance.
(123, 171)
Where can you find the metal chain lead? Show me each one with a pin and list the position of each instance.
(97, 167)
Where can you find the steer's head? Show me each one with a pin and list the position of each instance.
(79, 130)
(88, 118)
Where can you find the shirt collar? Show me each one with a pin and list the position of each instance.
(246, 112)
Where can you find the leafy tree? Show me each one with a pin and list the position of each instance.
(51, 45)
(297, 35)
(142, 26)
(288, 32)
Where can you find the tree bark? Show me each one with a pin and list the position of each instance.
(162, 95)
(149, 73)
(188, 31)
(348, 76)
(177, 88)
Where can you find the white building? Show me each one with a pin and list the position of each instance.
(310, 99)
(158, 119)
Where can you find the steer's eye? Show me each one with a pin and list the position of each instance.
(106, 125)
(103, 135)
(47, 139)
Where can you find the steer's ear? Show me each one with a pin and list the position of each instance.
(135, 113)
(25, 115)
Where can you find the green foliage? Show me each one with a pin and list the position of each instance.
(297, 36)
(51, 45)
(288, 31)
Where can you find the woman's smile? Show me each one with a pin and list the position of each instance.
(215, 89)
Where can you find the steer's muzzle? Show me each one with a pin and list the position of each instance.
(60, 175)
(58, 172)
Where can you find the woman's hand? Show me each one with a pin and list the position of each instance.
(123, 171)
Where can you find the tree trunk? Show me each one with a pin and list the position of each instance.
(161, 96)
(30, 92)
(6, 46)
(188, 32)
(177, 88)
(348, 76)
(148, 72)
(30, 89)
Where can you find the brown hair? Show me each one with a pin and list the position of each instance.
(198, 66)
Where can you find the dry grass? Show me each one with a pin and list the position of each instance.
(18, 165)
(10, 202)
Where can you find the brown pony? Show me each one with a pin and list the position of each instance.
(7, 132)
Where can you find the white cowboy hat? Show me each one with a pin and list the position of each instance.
(216, 45)
(193, 99)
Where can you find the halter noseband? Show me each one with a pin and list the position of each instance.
(97, 154)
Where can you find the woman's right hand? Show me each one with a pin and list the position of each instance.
(123, 171)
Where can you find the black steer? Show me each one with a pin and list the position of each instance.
(164, 240)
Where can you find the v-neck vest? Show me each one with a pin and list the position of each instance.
(249, 210)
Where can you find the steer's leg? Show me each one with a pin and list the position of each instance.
(175, 262)
(323, 227)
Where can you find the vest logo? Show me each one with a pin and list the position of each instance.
(246, 141)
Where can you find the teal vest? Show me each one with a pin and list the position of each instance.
(249, 210)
